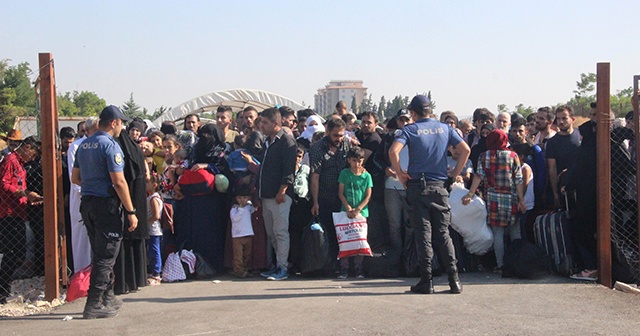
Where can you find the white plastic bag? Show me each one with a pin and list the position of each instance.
(352, 235)
(172, 270)
(470, 220)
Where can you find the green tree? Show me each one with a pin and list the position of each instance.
(621, 102)
(583, 95)
(66, 106)
(131, 109)
(524, 110)
(17, 97)
(381, 108)
(503, 108)
(366, 105)
(158, 112)
(354, 106)
(88, 103)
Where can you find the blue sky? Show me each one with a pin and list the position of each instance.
(468, 53)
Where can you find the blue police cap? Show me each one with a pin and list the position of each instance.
(112, 112)
(419, 103)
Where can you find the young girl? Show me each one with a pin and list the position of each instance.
(154, 211)
(500, 170)
(354, 191)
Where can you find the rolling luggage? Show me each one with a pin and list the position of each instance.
(552, 234)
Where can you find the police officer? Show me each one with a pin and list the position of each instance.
(425, 178)
(98, 169)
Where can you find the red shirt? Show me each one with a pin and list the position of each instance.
(12, 173)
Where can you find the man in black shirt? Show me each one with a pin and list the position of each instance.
(561, 149)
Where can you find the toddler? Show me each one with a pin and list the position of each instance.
(154, 211)
(242, 232)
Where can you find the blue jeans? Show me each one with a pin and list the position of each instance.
(154, 256)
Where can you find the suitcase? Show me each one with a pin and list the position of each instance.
(552, 234)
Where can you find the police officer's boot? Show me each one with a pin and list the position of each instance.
(454, 282)
(109, 299)
(94, 307)
(425, 286)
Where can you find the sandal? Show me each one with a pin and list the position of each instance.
(587, 275)
(153, 281)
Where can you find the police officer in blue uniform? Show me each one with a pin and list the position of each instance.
(98, 169)
(425, 179)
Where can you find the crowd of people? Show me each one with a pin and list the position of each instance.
(287, 169)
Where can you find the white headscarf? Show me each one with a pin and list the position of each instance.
(310, 130)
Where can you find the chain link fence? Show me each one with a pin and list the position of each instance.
(22, 211)
(624, 201)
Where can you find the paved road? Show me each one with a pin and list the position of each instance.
(488, 305)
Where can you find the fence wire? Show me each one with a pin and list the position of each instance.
(624, 209)
(22, 222)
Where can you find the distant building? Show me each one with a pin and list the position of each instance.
(327, 97)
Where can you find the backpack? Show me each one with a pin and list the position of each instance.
(166, 217)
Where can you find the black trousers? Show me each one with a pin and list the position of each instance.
(429, 201)
(101, 216)
(13, 238)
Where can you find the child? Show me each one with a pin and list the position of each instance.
(147, 151)
(154, 211)
(235, 160)
(300, 213)
(523, 150)
(155, 138)
(452, 161)
(242, 232)
(500, 170)
(354, 191)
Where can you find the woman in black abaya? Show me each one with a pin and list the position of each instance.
(200, 221)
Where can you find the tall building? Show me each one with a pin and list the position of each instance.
(327, 97)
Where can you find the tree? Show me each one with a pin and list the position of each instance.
(621, 102)
(354, 106)
(88, 103)
(366, 105)
(158, 112)
(131, 109)
(524, 111)
(17, 97)
(66, 106)
(502, 108)
(582, 95)
(381, 108)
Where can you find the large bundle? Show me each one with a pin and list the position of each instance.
(470, 220)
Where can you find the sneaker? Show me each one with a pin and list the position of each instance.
(587, 275)
(359, 273)
(343, 274)
(280, 274)
(269, 273)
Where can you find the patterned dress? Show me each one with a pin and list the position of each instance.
(500, 171)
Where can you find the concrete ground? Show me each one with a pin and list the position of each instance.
(489, 305)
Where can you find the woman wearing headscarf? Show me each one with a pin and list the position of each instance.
(200, 220)
(130, 269)
(314, 124)
(481, 146)
(499, 169)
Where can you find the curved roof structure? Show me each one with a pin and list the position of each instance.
(237, 99)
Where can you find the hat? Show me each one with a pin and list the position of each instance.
(14, 135)
(419, 103)
(403, 113)
(112, 112)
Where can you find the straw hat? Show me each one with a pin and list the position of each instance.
(14, 135)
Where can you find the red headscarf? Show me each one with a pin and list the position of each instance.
(497, 140)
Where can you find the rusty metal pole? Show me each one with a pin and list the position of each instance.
(49, 175)
(636, 130)
(603, 158)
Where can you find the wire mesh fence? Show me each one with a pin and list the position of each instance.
(624, 207)
(22, 212)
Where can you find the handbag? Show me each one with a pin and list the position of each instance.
(172, 270)
(79, 284)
